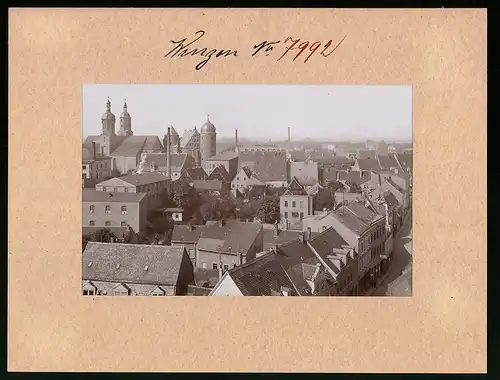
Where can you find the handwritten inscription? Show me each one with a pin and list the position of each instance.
(186, 50)
(293, 47)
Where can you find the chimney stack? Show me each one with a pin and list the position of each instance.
(307, 235)
(237, 148)
(169, 167)
(289, 138)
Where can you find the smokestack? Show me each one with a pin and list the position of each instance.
(237, 149)
(289, 138)
(169, 168)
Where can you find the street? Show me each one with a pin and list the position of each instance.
(403, 250)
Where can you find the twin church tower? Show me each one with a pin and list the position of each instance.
(202, 144)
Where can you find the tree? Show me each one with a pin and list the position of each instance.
(185, 196)
(103, 235)
(355, 188)
(325, 198)
(270, 210)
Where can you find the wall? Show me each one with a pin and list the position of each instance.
(210, 258)
(303, 204)
(134, 217)
(190, 249)
(99, 169)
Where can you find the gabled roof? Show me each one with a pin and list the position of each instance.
(366, 214)
(219, 173)
(368, 164)
(387, 162)
(271, 167)
(194, 173)
(132, 263)
(284, 236)
(137, 179)
(305, 172)
(90, 195)
(187, 136)
(130, 147)
(354, 176)
(177, 161)
(394, 185)
(325, 242)
(224, 156)
(350, 220)
(234, 237)
(297, 155)
(405, 160)
(262, 276)
(295, 188)
(245, 170)
(186, 234)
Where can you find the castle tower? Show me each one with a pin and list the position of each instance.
(208, 140)
(108, 121)
(125, 122)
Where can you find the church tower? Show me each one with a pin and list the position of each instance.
(125, 122)
(208, 140)
(108, 129)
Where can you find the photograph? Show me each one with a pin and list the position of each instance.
(247, 190)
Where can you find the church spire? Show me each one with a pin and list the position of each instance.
(108, 105)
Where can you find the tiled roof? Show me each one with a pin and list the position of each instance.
(368, 164)
(206, 278)
(233, 236)
(324, 244)
(177, 161)
(130, 147)
(297, 155)
(246, 170)
(387, 162)
(208, 184)
(354, 177)
(254, 181)
(332, 160)
(195, 173)
(141, 179)
(91, 195)
(351, 221)
(132, 263)
(305, 172)
(390, 199)
(406, 160)
(187, 135)
(263, 276)
(284, 236)
(364, 213)
(186, 234)
(295, 188)
(270, 166)
(224, 156)
(395, 185)
(220, 173)
(329, 174)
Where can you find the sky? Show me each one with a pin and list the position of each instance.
(324, 112)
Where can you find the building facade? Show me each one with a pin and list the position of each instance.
(295, 204)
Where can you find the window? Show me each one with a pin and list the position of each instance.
(237, 178)
(108, 209)
(301, 215)
(301, 204)
(293, 204)
(232, 185)
(104, 188)
(107, 223)
(92, 223)
(215, 266)
(126, 189)
(286, 215)
(234, 265)
(124, 210)
(98, 174)
(91, 209)
(124, 224)
(115, 190)
(88, 292)
(84, 167)
(226, 267)
(286, 203)
(295, 214)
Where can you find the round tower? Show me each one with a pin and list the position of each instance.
(208, 140)
(108, 121)
(125, 122)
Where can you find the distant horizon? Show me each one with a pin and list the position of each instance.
(322, 113)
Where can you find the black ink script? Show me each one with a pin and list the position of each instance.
(182, 50)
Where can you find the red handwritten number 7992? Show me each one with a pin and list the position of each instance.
(313, 48)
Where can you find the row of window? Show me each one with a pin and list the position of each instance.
(115, 189)
(295, 215)
(294, 204)
(215, 266)
(107, 210)
(99, 166)
(107, 223)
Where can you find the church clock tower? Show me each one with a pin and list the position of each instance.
(108, 129)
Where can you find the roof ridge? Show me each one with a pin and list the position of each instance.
(251, 262)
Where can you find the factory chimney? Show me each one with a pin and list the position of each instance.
(168, 148)
(289, 138)
(237, 148)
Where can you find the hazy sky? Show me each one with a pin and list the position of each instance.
(258, 111)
